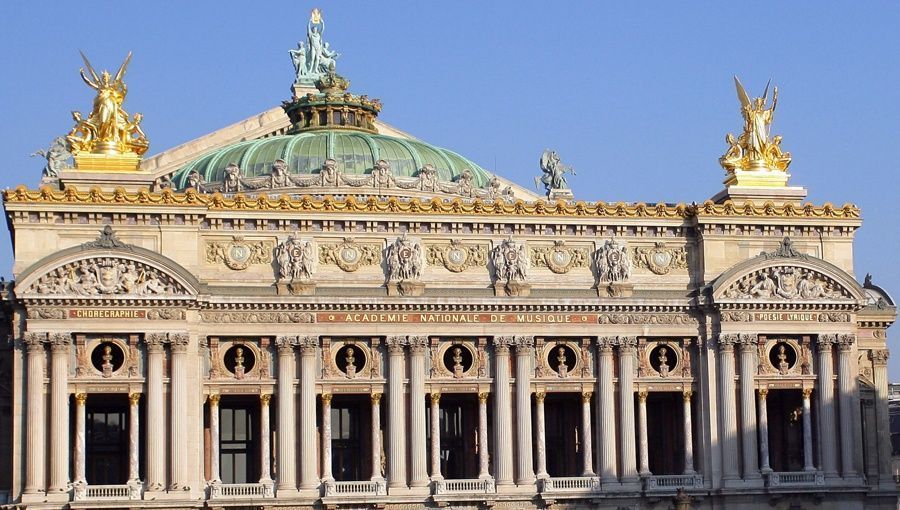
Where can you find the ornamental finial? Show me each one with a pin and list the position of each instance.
(755, 158)
(315, 58)
(109, 138)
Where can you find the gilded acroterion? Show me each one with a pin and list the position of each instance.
(109, 138)
(755, 157)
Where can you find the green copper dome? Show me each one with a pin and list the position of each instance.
(355, 152)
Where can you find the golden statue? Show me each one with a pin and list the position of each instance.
(109, 130)
(753, 150)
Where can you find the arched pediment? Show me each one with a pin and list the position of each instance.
(786, 275)
(104, 268)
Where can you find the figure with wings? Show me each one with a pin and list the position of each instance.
(554, 172)
(755, 149)
(108, 129)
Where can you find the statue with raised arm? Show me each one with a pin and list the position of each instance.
(315, 58)
(554, 171)
(755, 149)
(57, 156)
(108, 129)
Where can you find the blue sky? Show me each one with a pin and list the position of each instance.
(638, 97)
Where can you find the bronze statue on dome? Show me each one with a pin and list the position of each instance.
(315, 58)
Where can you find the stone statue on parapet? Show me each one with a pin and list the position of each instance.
(57, 156)
(553, 178)
(315, 58)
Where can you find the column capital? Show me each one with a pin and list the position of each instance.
(748, 342)
(376, 398)
(60, 342)
(214, 399)
(395, 344)
(686, 395)
(627, 344)
(763, 393)
(503, 343)
(179, 341)
(483, 397)
(539, 397)
(285, 344)
(605, 344)
(824, 341)
(586, 397)
(524, 345)
(642, 396)
(845, 341)
(34, 340)
(134, 398)
(417, 343)
(155, 341)
(435, 397)
(308, 344)
(806, 393)
(264, 398)
(727, 340)
(879, 357)
(326, 399)
(80, 399)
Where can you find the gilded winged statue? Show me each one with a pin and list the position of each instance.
(109, 129)
(755, 149)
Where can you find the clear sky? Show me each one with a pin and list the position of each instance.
(637, 97)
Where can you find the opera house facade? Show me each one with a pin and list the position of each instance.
(313, 309)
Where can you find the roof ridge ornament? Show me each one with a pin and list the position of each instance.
(785, 250)
(107, 240)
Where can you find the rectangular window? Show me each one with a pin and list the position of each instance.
(106, 442)
(237, 444)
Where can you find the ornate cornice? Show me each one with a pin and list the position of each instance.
(240, 201)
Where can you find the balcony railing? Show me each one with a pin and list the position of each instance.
(570, 484)
(672, 482)
(356, 488)
(107, 492)
(241, 490)
(464, 486)
(795, 479)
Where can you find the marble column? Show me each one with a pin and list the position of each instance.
(327, 475)
(35, 448)
(60, 345)
(849, 407)
(265, 433)
(541, 425)
(643, 442)
(730, 457)
(587, 437)
(134, 474)
(606, 413)
(419, 453)
(179, 396)
(688, 434)
(396, 447)
(78, 466)
(287, 436)
(503, 456)
(436, 436)
(156, 417)
(214, 438)
(749, 366)
(524, 370)
(483, 456)
(309, 478)
(882, 414)
(627, 346)
(807, 432)
(377, 474)
(826, 415)
(763, 421)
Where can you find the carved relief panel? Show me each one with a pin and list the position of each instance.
(560, 358)
(456, 359)
(665, 358)
(784, 356)
(107, 356)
